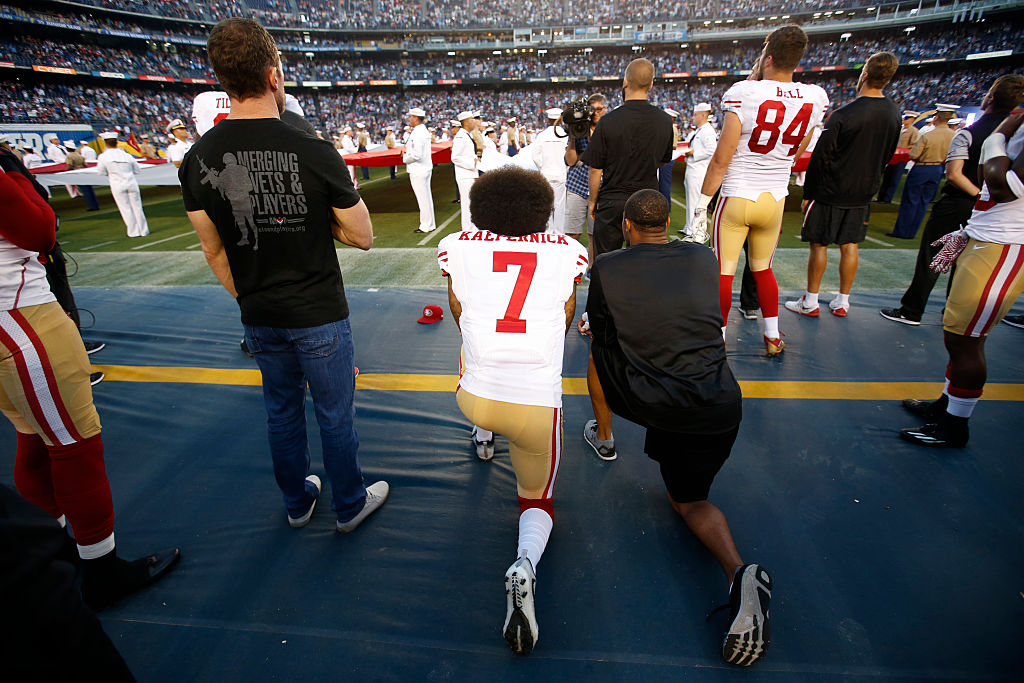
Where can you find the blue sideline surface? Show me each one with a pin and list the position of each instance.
(890, 562)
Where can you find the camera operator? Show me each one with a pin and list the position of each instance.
(577, 181)
(624, 154)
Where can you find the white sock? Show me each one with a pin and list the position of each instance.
(843, 300)
(961, 407)
(810, 300)
(94, 550)
(483, 435)
(723, 331)
(534, 529)
(63, 521)
(771, 327)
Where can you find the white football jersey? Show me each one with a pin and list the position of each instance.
(775, 117)
(209, 109)
(1001, 223)
(513, 292)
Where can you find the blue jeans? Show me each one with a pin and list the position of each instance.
(321, 356)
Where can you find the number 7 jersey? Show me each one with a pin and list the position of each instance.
(513, 292)
(775, 116)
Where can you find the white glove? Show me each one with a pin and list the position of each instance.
(698, 230)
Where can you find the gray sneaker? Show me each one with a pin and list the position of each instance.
(297, 522)
(604, 449)
(376, 494)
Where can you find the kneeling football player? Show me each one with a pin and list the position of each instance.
(512, 292)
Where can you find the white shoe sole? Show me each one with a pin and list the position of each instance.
(749, 634)
(520, 630)
(796, 307)
(597, 452)
(299, 522)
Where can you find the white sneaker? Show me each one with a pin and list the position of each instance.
(296, 522)
(749, 632)
(801, 307)
(484, 449)
(521, 630)
(376, 494)
(838, 309)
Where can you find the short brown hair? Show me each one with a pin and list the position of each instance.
(640, 73)
(647, 210)
(1007, 92)
(786, 45)
(880, 68)
(511, 201)
(240, 52)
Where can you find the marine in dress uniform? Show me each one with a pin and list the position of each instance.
(362, 140)
(929, 157)
(894, 172)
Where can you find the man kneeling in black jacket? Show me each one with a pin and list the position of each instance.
(659, 357)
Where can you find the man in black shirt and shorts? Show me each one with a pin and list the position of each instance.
(844, 173)
(268, 201)
(627, 148)
(659, 357)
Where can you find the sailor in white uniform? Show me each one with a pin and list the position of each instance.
(121, 167)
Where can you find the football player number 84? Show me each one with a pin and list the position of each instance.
(793, 135)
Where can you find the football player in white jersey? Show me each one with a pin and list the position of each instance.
(512, 292)
(989, 255)
(768, 118)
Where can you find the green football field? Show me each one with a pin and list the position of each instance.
(103, 255)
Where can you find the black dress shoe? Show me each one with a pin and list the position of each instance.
(107, 579)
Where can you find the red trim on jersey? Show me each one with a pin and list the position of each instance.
(443, 253)
(545, 504)
(582, 258)
(969, 331)
(51, 378)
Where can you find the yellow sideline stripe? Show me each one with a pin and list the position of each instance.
(573, 386)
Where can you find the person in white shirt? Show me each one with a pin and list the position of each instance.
(549, 155)
(464, 159)
(512, 292)
(419, 163)
(348, 146)
(56, 153)
(181, 145)
(122, 168)
(702, 145)
(88, 152)
(768, 119)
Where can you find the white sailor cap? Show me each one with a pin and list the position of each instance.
(703, 106)
(207, 107)
(176, 123)
(671, 112)
(909, 114)
(69, 143)
(511, 120)
(490, 129)
(360, 125)
(346, 129)
(291, 103)
(946, 107)
(955, 122)
(51, 136)
(108, 135)
(453, 122)
(389, 128)
(553, 113)
(416, 111)
(463, 115)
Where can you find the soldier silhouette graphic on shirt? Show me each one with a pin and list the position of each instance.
(235, 185)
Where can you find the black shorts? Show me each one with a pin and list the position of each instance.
(827, 224)
(689, 462)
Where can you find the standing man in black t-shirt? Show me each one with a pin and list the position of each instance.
(856, 144)
(625, 152)
(669, 374)
(275, 254)
(959, 193)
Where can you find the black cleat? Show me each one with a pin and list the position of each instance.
(1014, 321)
(928, 410)
(95, 378)
(749, 632)
(93, 347)
(897, 315)
(109, 579)
(948, 432)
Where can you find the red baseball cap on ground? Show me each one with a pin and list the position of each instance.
(431, 314)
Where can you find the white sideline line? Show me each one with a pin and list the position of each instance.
(678, 203)
(194, 246)
(434, 233)
(869, 238)
(166, 239)
(95, 246)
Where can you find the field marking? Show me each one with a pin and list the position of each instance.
(678, 203)
(117, 212)
(434, 233)
(572, 386)
(194, 246)
(95, 246)
(166, 239)
(869, 238)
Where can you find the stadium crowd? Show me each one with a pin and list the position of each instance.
(149, 111)
(362, 14)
